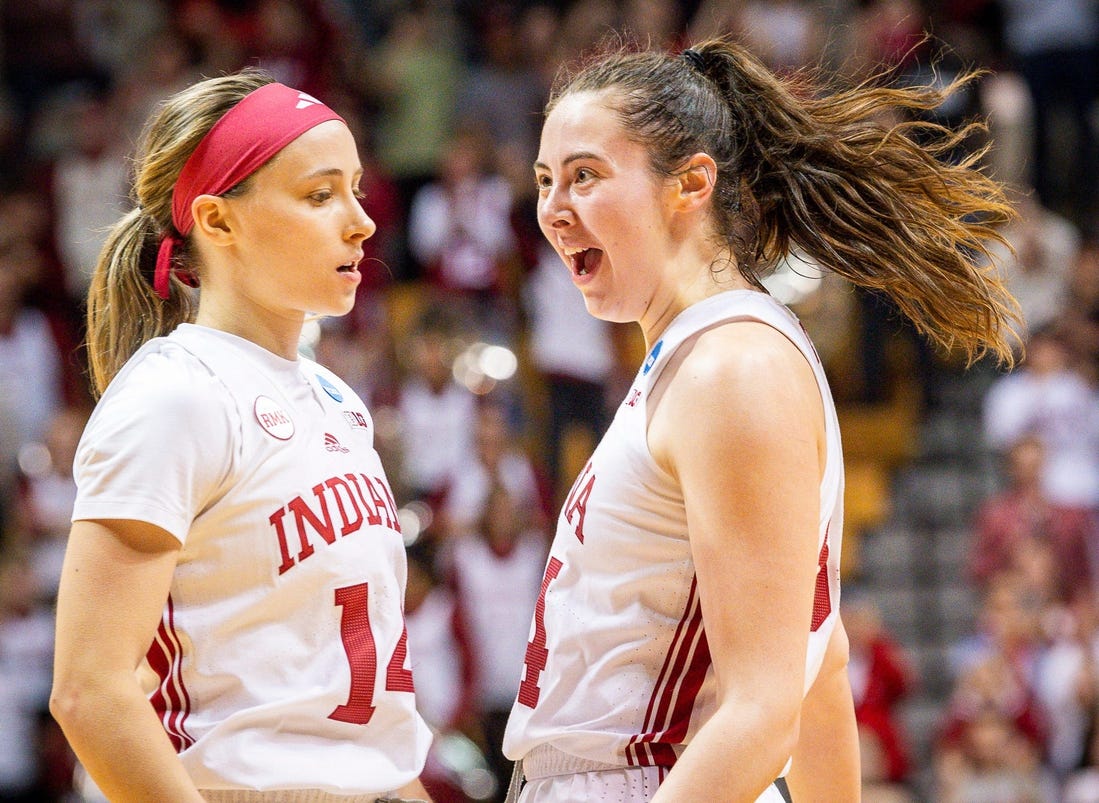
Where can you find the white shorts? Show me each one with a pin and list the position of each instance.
(601, 784)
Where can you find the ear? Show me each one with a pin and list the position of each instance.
(213, 218)
(695, 182)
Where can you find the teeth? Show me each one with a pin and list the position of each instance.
(574, 251)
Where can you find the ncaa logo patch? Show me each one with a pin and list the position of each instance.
(273, 419)
(650, 361)
(330, 389)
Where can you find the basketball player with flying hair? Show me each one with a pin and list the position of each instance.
(686, 644)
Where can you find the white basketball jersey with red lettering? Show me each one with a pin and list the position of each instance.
(618, 670)
(280, 662)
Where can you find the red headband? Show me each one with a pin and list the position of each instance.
(264, 122)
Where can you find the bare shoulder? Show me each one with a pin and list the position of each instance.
(741, 361)
(741, 382)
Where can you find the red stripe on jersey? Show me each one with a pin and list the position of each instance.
(669, 712)
(822, 596)
(170, 699)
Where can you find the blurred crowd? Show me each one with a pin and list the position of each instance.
(488, 381)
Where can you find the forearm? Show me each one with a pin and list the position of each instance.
(825, 766)
(114, 732)
(734, 757)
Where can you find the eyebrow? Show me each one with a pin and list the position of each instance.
(572, 157)
(331, 171)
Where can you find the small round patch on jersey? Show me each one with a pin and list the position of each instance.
(273, 419)
(330, 389)
(650, 361)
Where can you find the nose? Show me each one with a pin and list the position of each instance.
(554, 211)
(362, 225)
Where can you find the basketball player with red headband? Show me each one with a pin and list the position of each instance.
(230, 618)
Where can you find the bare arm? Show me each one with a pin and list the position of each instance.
(114, 584)
(741, 426)
(826, 765)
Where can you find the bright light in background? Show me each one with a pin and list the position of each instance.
(34, 459)
(794, 279)
(415, 518)
(481, 366)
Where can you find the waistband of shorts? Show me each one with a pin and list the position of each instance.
(545, 761)
(282, 796)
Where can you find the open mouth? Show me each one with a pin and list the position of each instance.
(583, 260)
(350, 267)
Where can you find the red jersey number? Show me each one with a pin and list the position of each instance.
(537, 654)
(362, 657)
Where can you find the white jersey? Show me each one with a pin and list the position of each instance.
(281, 659)
(618, 669)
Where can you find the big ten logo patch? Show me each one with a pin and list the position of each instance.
(356, 419)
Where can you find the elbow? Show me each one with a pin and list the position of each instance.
(70, 698)
(65, 701)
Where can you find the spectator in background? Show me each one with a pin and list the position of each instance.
(497, 459)
(1054, 45)
(437, 415)
(787, 35)
(1046, 396)
(881, 677)
(1066, 680)
(1036, 261)
(495, 569)
(45, 498)
(1022, 517)
(994, 733)
(89, 185)
(26, 657)
(441, 663)
(155, 67)
(296, 41)
(574, 355)
(31, 366)
(1008, 629)
(501, 92)
(989, 759)
(413, 78)
(459, 230)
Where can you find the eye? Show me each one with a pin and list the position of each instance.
(359, 193)
(321, 196)
(584, 174)
(543, 181)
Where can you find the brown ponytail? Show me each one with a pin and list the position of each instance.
(878, 204)
(123, 310)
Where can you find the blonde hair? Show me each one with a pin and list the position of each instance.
(123, 309)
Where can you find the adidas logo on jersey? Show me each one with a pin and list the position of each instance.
(332, 444)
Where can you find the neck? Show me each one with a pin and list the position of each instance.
(279, 335)
(699, 278)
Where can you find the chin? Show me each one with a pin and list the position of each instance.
(601, 309)
(338, 309)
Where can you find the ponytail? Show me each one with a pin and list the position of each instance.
(877, 203)
(123, 309)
